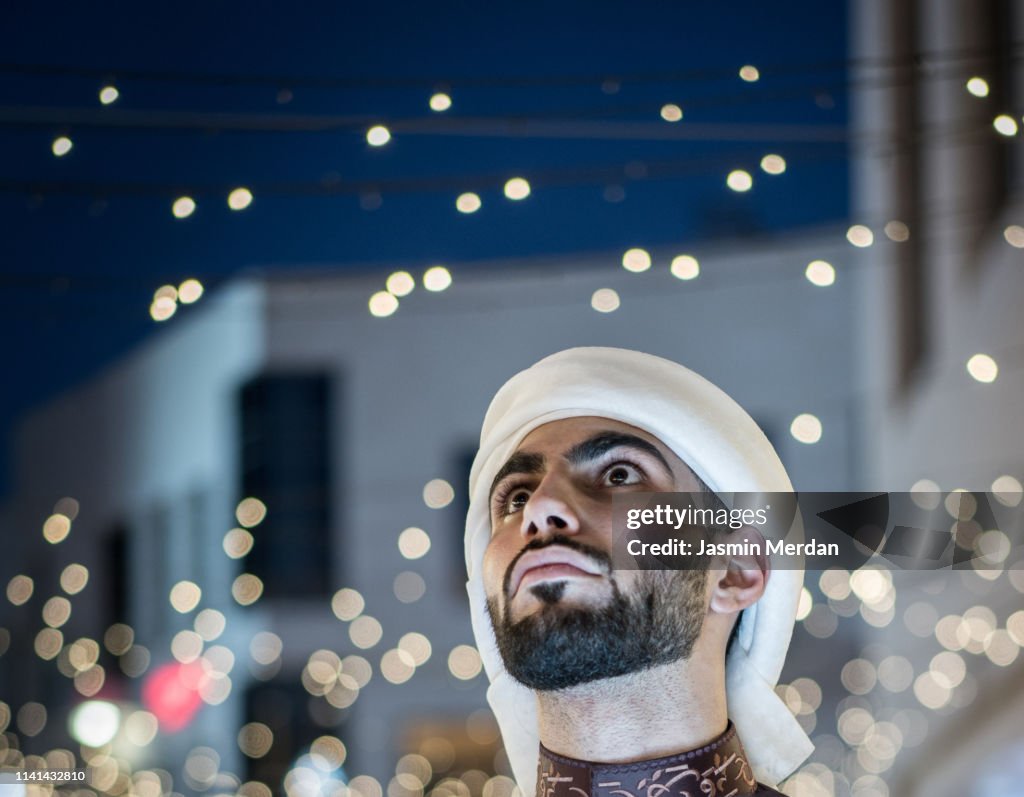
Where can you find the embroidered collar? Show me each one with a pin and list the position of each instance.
(718, 769)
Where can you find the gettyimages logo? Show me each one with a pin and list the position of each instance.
(912, 531)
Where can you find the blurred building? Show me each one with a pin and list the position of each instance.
(350, 430)
(937, 176)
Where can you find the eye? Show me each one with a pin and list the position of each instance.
(516, 500)
(511, 500)
(621, 474)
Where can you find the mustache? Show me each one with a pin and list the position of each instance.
(599, 556)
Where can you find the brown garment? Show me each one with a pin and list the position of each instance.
(718, 769)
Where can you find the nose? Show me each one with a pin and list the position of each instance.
(548, 511)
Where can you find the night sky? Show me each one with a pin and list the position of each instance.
(278, 97)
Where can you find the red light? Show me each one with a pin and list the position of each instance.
(171, 693)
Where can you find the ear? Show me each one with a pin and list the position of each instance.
(739, 579)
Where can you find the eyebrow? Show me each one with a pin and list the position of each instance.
(524, 462)
(520, 462)
(598, 445)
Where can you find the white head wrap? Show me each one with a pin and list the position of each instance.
(725, 448)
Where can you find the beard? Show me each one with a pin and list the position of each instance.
(560, 645)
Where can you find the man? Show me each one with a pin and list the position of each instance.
(610, 681)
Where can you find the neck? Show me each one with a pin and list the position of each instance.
(649, 714)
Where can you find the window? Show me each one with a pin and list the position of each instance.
(286, 463)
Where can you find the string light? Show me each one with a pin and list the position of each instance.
(739, 181)
(896, 231)
(61, 146)
(1005, 125)
(162, 308)
(860, 236)
(183, 207)
(1014, 235)
(378, 136)
(773, 164)
(468, 202)
(749, 74)
(685, 267)
(978, 86)
(437, 278)
(605, 300)
(240, 199)
(440, 102)
(671, 112)
(400, 283)
(109, 94)
(517, 188)
(438, 493)
(820, 273)
(982, 368)
(250, 512)
(191, 290)
(806, 428)
(382, 304)
(636, 260)
(414, 543)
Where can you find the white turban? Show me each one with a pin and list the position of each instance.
(724, 446)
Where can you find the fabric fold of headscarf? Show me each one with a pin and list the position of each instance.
(725, 447)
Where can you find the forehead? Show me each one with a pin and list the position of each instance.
(558, 436)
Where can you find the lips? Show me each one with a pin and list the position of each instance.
(551, 562)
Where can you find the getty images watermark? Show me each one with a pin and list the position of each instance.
(913, 531)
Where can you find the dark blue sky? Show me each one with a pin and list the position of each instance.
(571, 92)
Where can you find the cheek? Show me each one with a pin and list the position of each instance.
(497, 558)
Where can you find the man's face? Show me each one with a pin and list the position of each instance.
(561, 615)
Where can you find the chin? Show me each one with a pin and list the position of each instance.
(558, 596)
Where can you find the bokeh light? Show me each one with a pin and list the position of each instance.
(464, 662)
(440, 102)
(409, 587)
(20, 589)
(413, 543)
(400, 283)
(378, 136)
(185, 596)
(247, 589)
(739, 180)
(820, 273)
(517, 188)
(1005, 125)
(685, 267)
(183, 207)
(347, 604)
(73, 578)
(671, 112)
(468, 202)
(773, 164)
(255, 739)
(56, 528)
(636, 260)
(237, 543)
(240, 198)
(437, 278)
(382, 304)
(250, 512)
(190, 291)
(605, 300)
(61, 146)
(806, 428)
(982, 368)
(438, 493)
(365, 631)
(860, 236)
(977, 86)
